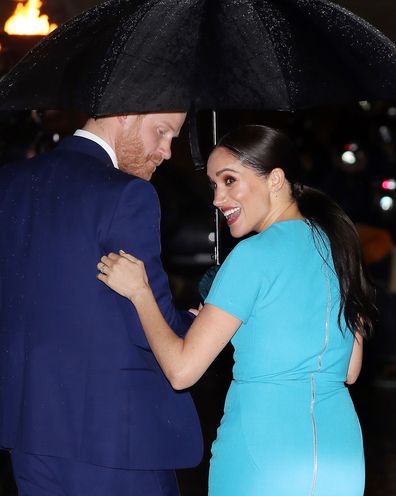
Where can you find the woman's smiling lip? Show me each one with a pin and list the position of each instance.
(231, 214)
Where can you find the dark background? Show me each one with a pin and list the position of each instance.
(323, 135)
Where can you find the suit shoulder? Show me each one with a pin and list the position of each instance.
(144, 187)
(139, 192)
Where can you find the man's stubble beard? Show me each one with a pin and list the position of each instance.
(131, 155)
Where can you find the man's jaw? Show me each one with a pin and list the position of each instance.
(155, 161)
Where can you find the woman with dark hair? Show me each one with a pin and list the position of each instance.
(295, 302)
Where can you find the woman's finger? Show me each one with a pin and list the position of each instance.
(105, 259)
(110, 259)
(102, 267)
(102, 277)
(129, 257)
(113, 256)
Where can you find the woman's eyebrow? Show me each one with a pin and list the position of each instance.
(226, 169)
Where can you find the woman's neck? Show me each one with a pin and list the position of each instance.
(288, 211)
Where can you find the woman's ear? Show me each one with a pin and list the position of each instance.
(276, 179)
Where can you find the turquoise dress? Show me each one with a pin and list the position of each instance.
(289, 426)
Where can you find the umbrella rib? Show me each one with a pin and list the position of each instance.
(244, 36)
(152, 40)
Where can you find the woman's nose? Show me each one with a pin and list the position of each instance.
(218, 199)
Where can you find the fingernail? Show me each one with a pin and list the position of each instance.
(122, 251)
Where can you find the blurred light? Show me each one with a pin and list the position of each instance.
(27, 19)
(202, 258)
(348, 158)
(211, 237)
(351, 147)
(386, 203)
(385, 134)
(365, 105)
(55, 138)
(389, 184)
(391, 111)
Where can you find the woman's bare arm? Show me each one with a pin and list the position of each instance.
(183, 360)
(355, 363)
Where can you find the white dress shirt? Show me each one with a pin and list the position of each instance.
(93, 137)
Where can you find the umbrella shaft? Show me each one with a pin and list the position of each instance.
(214, 127)
(217, 220)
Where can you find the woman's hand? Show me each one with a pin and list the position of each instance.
(196, 311)
(125, 274)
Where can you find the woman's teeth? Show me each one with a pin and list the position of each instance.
(232, 213)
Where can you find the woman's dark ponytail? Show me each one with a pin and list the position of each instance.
(357, 293)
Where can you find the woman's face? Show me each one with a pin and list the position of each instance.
(239, 193)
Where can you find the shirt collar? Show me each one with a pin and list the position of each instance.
(93, 137)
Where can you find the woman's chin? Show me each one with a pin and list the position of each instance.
(237, 233)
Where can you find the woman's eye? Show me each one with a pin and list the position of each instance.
(162, 132)
(212, 185)
(229, 180)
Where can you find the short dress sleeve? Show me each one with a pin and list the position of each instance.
(238, 283)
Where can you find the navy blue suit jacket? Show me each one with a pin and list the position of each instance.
(77, 377)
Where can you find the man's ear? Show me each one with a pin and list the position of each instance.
(121, 118)
(276, 179)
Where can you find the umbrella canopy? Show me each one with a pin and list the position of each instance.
(151, 55)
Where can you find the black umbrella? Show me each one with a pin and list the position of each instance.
(152, 55)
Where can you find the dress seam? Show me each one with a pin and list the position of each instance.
(313, 395)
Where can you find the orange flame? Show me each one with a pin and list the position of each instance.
(27, 20)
